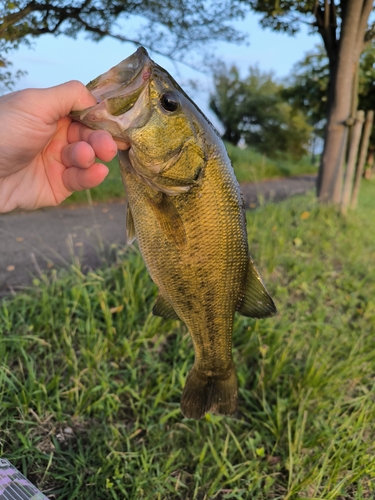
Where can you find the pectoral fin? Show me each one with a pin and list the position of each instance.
(256, 303)
(130, 229)
(170, 220)
(164, 309)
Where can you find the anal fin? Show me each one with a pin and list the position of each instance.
(256, 302)
(164, 309)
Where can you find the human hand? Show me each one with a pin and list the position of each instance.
(44, 156)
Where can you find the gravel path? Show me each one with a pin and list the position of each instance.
(31, 242)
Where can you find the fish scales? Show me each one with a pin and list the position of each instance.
(185, 209)
(208, 265)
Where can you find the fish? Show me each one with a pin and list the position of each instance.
(186, 211)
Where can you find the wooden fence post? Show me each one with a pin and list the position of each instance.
(362, 157)
(353, 152)
(370, 170)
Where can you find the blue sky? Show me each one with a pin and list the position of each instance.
(53, 60)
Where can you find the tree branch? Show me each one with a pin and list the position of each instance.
(326, 25)
(362, 25)
(11, 19)
(326, 15)
(104, 33)
(370, 34)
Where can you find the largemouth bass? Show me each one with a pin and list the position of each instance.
(185, 208)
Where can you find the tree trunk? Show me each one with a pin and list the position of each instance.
(330, 171)
(353, 153)
(362, 157)
(343, 57)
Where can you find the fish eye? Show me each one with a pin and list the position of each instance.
(169, 102)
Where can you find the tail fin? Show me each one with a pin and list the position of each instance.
(203, 393)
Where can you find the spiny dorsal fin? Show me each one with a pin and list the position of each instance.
(164, 309)
(257, 302)
(129, 223)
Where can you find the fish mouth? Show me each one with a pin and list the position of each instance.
(116, 92)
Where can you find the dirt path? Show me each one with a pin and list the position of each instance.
(59, 237)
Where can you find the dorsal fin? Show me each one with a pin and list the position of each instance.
(163, 308)
(256, 302)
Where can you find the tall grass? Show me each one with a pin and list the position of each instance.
(90, 382)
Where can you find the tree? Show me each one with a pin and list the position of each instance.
(168, 27)
(253, 109)
(7, 78)
(345, 30)
(227, 100)
(307, 89)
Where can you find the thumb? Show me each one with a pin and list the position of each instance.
(60, 100)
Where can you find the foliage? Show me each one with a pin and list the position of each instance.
(90, 382)
(252, 109)
(366, 81)
(170, 28)
(284, 15)
(345, 27)
(251, 166)
(307, 89)
(7, 78)
(324, 17)
(175, 25)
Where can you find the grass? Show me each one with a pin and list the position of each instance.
(248, 164)
(252, 166)
(90, 382)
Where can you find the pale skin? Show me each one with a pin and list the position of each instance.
(44, 156)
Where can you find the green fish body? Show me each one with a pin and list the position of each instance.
(186, 211)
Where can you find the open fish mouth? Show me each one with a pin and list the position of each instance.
(117, 91)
